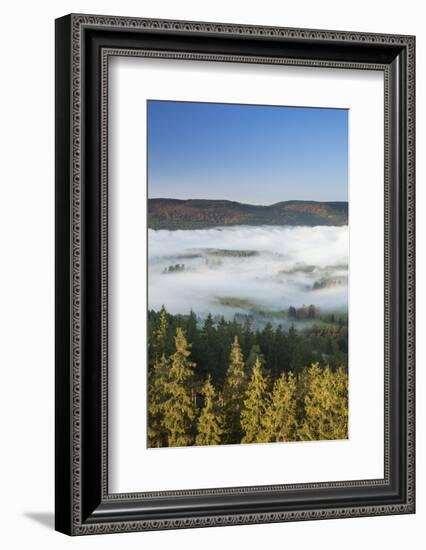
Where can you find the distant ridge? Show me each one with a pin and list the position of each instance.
(204, 213)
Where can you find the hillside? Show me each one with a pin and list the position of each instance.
(199, 214)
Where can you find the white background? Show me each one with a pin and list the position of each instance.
(132, 81)
(26, 301)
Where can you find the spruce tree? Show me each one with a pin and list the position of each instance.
(159, 344)
(157, 395)
(209, 425)
(339, 389)
(234, 388)
(255, 406)
(179, 408)
(280, 422)
(325, 404)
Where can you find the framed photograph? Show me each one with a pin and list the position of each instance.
(234, 274)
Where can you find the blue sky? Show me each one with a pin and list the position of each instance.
(247, 153)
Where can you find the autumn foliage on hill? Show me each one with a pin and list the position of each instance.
(173, 214)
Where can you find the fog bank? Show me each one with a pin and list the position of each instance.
(244, 269)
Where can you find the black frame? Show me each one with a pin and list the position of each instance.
(83, 46)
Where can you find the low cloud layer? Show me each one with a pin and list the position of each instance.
(238, 269)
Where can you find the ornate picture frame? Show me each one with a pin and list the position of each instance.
(84, 45)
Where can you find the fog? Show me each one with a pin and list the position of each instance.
(247, 270)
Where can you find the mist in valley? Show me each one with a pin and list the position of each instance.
(243, 270)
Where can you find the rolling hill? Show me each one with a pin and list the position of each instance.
(202, 213)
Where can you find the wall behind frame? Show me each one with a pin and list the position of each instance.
(27, 280)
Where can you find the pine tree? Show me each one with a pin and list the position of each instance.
(325, 404)
(179, 408)
(160, 336)
(318, 410)
(280, 421)
(234, 388)
(255, 406)
(157, 395)
(209, 425)
(340, 403)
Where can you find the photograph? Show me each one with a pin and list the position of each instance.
(235, 286)
(248, 265)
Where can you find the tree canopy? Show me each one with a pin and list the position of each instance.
(254, 401)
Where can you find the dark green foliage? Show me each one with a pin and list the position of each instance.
(280, 350)
(220, 382)
(304, 312)
(177, 268)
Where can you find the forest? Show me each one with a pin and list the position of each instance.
(172, 214)
(214, 381)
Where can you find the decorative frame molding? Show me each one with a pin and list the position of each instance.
(84, 44)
